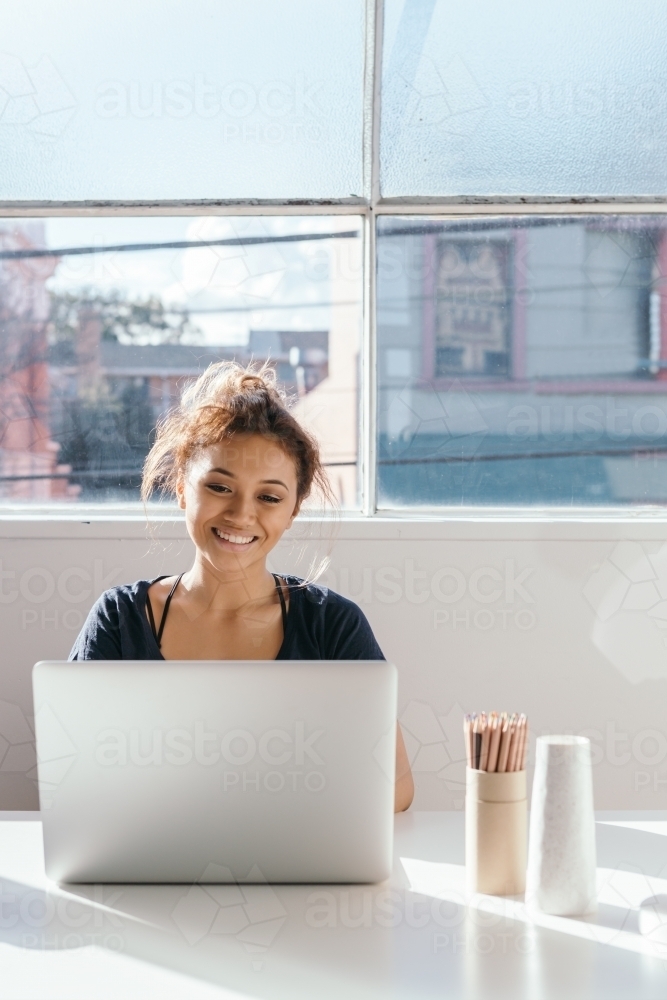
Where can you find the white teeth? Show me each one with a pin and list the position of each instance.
(236, 539)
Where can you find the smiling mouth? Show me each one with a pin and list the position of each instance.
(232, 539)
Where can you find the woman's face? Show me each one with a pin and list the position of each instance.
(239, 497)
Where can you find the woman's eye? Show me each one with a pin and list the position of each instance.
(218, 488)
(269, 498)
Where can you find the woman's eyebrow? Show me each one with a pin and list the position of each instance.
(266, 482)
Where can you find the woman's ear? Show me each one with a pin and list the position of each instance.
(180, 491)
(295, 513)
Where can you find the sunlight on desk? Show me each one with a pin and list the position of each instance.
(417, 936)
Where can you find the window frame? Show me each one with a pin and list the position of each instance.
(370, 208)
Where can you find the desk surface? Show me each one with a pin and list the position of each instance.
(410, 938)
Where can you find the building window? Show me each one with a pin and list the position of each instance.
(472, 288)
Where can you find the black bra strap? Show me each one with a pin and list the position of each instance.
(283, 608)
(158, 634)
(149, 609)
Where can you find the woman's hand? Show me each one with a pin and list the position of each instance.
(405, 786)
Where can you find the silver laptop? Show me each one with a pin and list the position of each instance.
(216, 771)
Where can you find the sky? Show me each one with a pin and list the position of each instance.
(249, 280)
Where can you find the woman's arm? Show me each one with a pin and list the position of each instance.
(350, 637)
(405, 786)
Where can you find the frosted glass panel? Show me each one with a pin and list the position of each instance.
(513, 97)
(157, 99)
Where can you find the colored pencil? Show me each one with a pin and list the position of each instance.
(524, 758)
(505, 740)
(518, 759)
(478, 742)
(514, 744)
(486, 735)
(496, 741)
(466, 737)
(494, 744)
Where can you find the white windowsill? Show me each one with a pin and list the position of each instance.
(131, 522)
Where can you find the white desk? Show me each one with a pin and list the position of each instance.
(410, 938)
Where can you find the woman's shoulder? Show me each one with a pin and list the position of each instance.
(338, 626)
(317, 595)
(116, 626)
(125, 595)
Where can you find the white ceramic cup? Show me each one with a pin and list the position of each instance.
(561, 846)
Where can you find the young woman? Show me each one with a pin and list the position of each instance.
(240, 466)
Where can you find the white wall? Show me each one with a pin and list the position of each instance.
(560, 619)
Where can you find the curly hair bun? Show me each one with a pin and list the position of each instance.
(228, 400)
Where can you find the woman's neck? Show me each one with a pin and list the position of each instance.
(211, 588)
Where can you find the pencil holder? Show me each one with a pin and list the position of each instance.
(496, 832)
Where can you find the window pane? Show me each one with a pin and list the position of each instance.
(522, 361)
(95, 346)
(160, 100)
(510, 97)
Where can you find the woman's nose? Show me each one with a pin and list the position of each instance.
(241, 509)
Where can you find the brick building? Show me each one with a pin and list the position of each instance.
(28, 453)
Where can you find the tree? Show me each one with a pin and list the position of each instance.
(103, 426)
(127, 321)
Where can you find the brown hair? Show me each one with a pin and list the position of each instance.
(227, 400)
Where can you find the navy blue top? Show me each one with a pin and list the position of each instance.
(321, 625)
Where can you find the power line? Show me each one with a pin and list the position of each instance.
(425, 460)
(282, 305)
(511, 222)
(106, 474)
(236, 241)
(452, 459)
